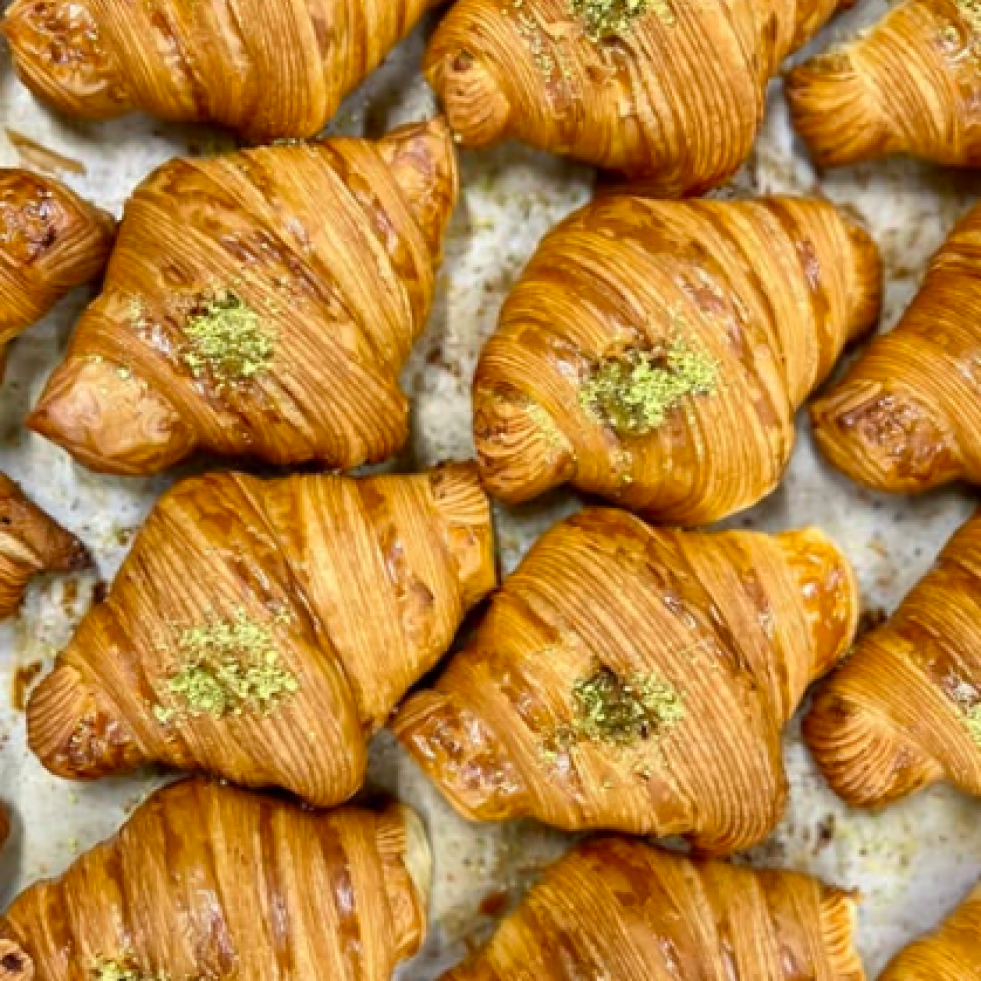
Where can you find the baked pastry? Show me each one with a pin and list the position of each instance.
(205, 881)
(266, 70)
(262, 631)
(260, 304)
(637, 679)
(623, 911)
(655, 352)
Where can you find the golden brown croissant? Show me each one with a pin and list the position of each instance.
(623, 911)
(262, 631)
(667, 90)
(50, 242)
(907, 416)
(30, 543)
(951, 954)
(637, 679)
(911, 84)
(205, 881)
(655, 352)
(905, 711)
(267, 70)
(260, 304)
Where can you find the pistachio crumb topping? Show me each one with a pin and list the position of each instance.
(604, 19)
(116, 970)
(636, 393)
(972, 721)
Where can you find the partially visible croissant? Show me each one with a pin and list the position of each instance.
(260, 304)
(950, 954)
(907, 416)
(904, 711)
(623, 911)
(911, 84)
(262, 631)
(30, 543)
(655, 352)
(672, 91)
(266, 69)
(205, 881)
(637, 679)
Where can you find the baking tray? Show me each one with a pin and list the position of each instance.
(912, 862)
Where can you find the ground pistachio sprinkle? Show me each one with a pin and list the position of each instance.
(228, 667)
(615, 18)
(636, 393)
(113, 970)
(972, 720)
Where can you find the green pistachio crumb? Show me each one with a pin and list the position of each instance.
(123, 970)
(604, 19)
(972, 721)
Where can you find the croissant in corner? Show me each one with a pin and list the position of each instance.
(266, 70)
(664, 90)
(30, 543)
(261, 631)
(637, 679)
(623, 911)
(905, 711)
(907, 417)
(655, 352)
(205, 881)
(911, 84)
(260, 304)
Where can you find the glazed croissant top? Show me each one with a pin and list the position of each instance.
(907, 416)
(263, 630)
(655, 352)
(622, 911)
(911, 84)
(205, 881)
(266, 70)
(260, 304)
(638, 679)
(672, 91)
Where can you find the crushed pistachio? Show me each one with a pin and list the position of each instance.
(636, 393)
(604, 19)
(970, 10)
(116, 970)
(972, 720)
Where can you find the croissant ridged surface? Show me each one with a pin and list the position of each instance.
(205, 881)
(673, 93)
(623, 911)
(261, 631)
(911, 84)
(637, 679)
(701, 326)
(267, 70)
(950, 954)
(260, 304)
(904, 711)
(907, 416)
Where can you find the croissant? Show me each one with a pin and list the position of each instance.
(623, 911)
(266, 70)
(905, 711)
(910, 84)
(261, 631)
(655, 352)
(260, 304)
(50, 242)
(30, 543)
(907, 417)
(637, 679)
(951, 953)
(665, 90)
(205, 881)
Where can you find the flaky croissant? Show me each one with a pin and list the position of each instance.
(907, 416)
(910, 84)
(265, 69)
(950, 954)
(623, 911)
(904, 711)
(637, 679)
(260, 304)
(655, 352)
(206, 881)
(668, 90)
(30, 543)
(262, 631)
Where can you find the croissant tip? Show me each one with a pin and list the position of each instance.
(476, 106)
(418, 856)
(15, 963)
